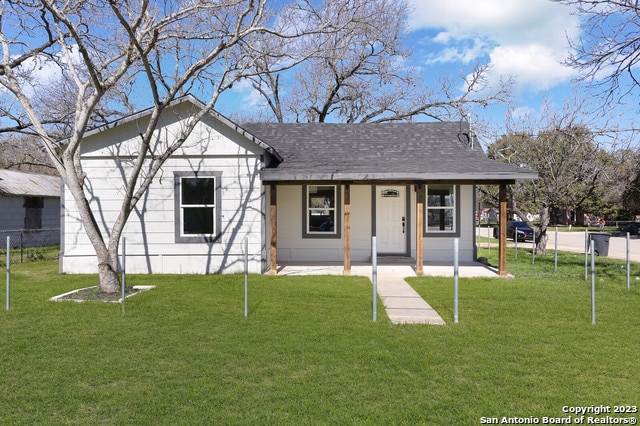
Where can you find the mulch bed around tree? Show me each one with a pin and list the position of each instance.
(92, 294)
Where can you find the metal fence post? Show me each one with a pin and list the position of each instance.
(246, 277)
(124, 271)
(374, 277)
(628, 264)
(456, 269)
(8, 272)
(593, 285)
(556, 252)
(516, 244)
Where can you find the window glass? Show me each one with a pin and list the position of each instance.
(197, 206)
(198, 220)
(440, 197)
(321, 209)
(198, 191)
(440, 209)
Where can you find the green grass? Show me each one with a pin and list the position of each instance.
(309, 353)
(29, 254)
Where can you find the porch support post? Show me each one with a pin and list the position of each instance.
(502, 242)
(273, 240)
(419, 229)
(347, 229)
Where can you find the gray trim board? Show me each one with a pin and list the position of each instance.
(338, 217)
(218, 207)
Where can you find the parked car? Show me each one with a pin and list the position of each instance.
(524, 232)
(632, 228)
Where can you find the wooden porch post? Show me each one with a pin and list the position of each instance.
(273, 218)
(502, 242)
(419, 229)
(347, 229)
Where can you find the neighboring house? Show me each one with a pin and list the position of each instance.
(297, 192)
(29, 208)
(29, 201)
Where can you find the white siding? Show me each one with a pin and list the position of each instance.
(150, 230)
(293, 247)
(440, 249)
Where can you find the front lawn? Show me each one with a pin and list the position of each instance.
(309, 353)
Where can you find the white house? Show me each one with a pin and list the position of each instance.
(296, 192)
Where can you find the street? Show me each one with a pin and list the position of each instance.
(575, 242)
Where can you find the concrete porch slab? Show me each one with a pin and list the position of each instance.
(435, 269)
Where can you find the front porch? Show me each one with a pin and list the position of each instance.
(401, 267)
(427, 246)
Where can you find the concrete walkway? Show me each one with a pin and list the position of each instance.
(402, 303)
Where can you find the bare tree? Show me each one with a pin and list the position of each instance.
(606, 52)
(607, 57)
(574, 170)
(23, 153)
(360, 72)
(105, 51)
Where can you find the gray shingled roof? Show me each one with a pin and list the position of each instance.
(29, 184)
(379, 151)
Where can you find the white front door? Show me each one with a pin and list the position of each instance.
(391, 219)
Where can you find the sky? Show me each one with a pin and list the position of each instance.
(526, 40)
(522, 39)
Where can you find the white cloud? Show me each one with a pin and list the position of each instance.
(522, 113)
(40, 71)
(250, 97)
(523, 39)
(466, 51)
(534, 66)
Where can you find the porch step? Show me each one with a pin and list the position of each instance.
(394, 260)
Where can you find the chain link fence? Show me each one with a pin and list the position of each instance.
(29, 244)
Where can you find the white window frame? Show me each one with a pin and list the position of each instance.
(307, 212)
(455, 210)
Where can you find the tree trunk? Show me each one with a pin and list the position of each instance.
(108, 278)
(543, 238)
(541, 244)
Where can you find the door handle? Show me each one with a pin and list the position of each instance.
(403, 224)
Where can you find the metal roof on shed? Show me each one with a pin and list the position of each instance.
(29, 184)
(380, 151)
